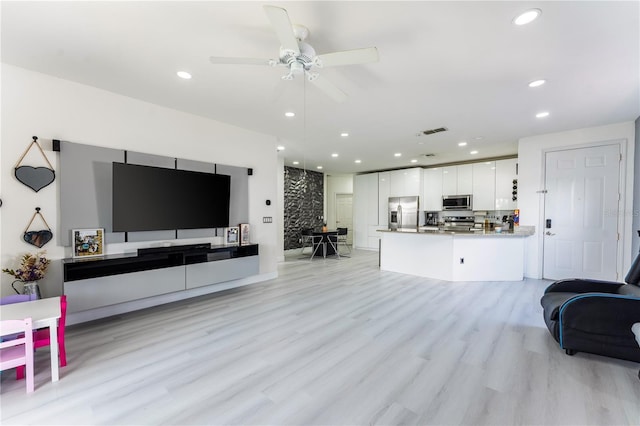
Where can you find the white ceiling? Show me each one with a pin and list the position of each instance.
(460, 65)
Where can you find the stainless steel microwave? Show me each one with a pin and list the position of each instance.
(456, 202)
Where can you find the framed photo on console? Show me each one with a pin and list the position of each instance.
(244, 234)
(232, 235)
(87, 242)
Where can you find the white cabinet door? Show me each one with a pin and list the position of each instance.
(432, 189)
(484, 185)
(465, 179)
(360, 213)
(450, 180)
(406, 182)
(384, 187)
(396, 183)
(506, 172)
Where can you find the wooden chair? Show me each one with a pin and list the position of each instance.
(41, 337)
(17, 352)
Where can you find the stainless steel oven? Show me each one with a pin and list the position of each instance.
(456, 202)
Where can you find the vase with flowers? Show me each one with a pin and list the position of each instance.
(33, 267)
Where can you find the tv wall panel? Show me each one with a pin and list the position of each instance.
(239, 202)
(85, 190)
(85, 178)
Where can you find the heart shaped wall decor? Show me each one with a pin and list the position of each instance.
(38, 238)
(35, 178)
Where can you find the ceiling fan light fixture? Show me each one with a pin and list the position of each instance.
(527, 17)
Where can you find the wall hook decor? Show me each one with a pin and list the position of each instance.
(37, 238)
(35, 178)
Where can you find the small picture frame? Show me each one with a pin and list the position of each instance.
(87, 242)
(244, 234)
(232, 234)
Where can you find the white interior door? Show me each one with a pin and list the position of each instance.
(344, 214)
(581, 227)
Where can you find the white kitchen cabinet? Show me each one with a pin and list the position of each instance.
(457, 180)
(432, 180)
(506, 172)
(405, 182)
(384, 188)
(484, 185)
(450, 180)
(465, 179)
(365, 209)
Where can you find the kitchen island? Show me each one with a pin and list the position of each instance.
(455, 256)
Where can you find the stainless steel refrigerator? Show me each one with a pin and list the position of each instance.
(403, 212)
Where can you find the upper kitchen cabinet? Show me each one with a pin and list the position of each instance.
(506, 174)
(384, 188)
(484, 185)
(406, 182)
(432, 189)
(457, 180)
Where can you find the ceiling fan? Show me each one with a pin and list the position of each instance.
(300, 57)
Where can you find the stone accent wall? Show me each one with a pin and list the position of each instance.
(303, 203)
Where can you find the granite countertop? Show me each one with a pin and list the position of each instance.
(519, 231)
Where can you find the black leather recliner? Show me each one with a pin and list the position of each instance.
(595, 316)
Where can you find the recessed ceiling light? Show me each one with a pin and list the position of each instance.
(344, 134)
(334, 155)
(319, 167)
(296, 163)
(527, 17)
(473, 152)
(542, 114)
(462, 144)
(184, 74)
(537, 83)
(358, 161)
(397, 154)
(289, 114)
(280, 148)
(414, 161)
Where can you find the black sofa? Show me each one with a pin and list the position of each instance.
(595, 316)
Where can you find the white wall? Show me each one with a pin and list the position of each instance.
(339, 184)
(531, 152)
(35, 104)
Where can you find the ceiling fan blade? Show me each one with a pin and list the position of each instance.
(348, 57)
(284, 30)
(245, 61)
(327, 87)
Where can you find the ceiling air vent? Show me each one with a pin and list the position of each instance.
(429, 155)
(432, 131)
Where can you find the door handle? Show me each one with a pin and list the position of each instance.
(549, 233)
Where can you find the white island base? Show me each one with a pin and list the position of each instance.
(454, 256)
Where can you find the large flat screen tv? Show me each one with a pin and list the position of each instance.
(149, 198)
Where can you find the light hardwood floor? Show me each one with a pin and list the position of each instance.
(330, 342)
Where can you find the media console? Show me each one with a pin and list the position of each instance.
(93, 283)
